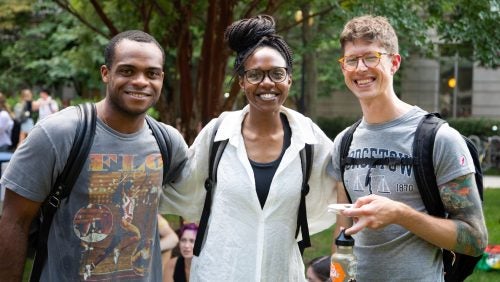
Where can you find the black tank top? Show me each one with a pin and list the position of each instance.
(264, 172)
(179, 273)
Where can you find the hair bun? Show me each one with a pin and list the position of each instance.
(243, 34)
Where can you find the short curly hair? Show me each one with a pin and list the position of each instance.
(134, 35)
(371, 29)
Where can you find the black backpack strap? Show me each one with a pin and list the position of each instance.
(345, 144)
(423, 147)
(456, 266)
(477, 164)
(215, 154)
(163, 139)
(79, 152)
(306, 159)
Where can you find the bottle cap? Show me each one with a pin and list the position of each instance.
(344, 239)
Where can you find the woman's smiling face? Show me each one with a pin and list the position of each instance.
(266, 96)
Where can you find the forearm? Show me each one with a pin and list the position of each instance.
(464, 231)
(448, 234)
(13, 244)
(18, 213)
(463, 204)
(169, 242)
(437, 231)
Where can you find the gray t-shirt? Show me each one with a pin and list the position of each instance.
(106, 229)
(393, 253)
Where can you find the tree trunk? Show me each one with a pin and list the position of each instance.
(309, 83)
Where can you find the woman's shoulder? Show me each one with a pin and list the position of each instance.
(172, 262)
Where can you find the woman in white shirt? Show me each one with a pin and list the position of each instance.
(6, 124)
(251, 233)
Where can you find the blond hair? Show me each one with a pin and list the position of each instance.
(26, 94)
(373, 29)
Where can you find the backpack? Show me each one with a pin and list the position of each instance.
(215, 153)
(22, 114)
(456, 266)
(14, 135)
(80, 149)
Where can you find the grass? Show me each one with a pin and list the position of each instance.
(321, 242)
(492, 171)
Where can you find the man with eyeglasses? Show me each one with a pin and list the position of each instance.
(396, 239)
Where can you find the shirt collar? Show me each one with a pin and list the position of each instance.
(302, 127)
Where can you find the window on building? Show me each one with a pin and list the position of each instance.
(455, 87)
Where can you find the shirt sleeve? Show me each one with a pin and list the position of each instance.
(451, 157)
(322, 185)
(186, 196)
(35, 165)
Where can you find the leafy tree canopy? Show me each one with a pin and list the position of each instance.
(58, 42)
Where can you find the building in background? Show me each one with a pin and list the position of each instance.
(451, 85)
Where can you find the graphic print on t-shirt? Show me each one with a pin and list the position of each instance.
(365, 179)
(115, 226)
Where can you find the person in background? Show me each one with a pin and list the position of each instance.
(318, 269)
(168, 240)
(251, 234)
(45, 105)
(178, 268)
(396, 239)
(6, 124)
(107, 229)
(23, 112)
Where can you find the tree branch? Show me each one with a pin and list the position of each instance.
(65, 5)
(306, 18)
(159, 7)
(112, 29)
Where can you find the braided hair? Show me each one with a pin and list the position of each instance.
(246, 35)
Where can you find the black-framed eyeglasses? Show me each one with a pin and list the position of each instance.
(256, 76)
(370, 60)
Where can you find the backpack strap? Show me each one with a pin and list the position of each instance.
(456, 266)
(477, 164)
(345, 144)
(423, 147)
(65, 181)
(306, 159)
(163, 139)
(215, 154)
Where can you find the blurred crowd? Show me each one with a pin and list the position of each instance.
(17, 119)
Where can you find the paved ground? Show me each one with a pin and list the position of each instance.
(491, 181)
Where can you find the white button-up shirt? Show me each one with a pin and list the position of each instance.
(243, 241)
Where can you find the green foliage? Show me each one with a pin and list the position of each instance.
(482, 127)
(48, 44)
(50, 51)
(475, 126)
(472, 23)
(333, 126)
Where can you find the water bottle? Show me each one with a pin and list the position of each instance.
(343, 262)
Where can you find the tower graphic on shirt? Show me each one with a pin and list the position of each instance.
(358, 183)
(377, 181)
(115, 226)
(379, 184)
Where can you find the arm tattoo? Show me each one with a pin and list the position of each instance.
(463, 205)
(456, 194)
